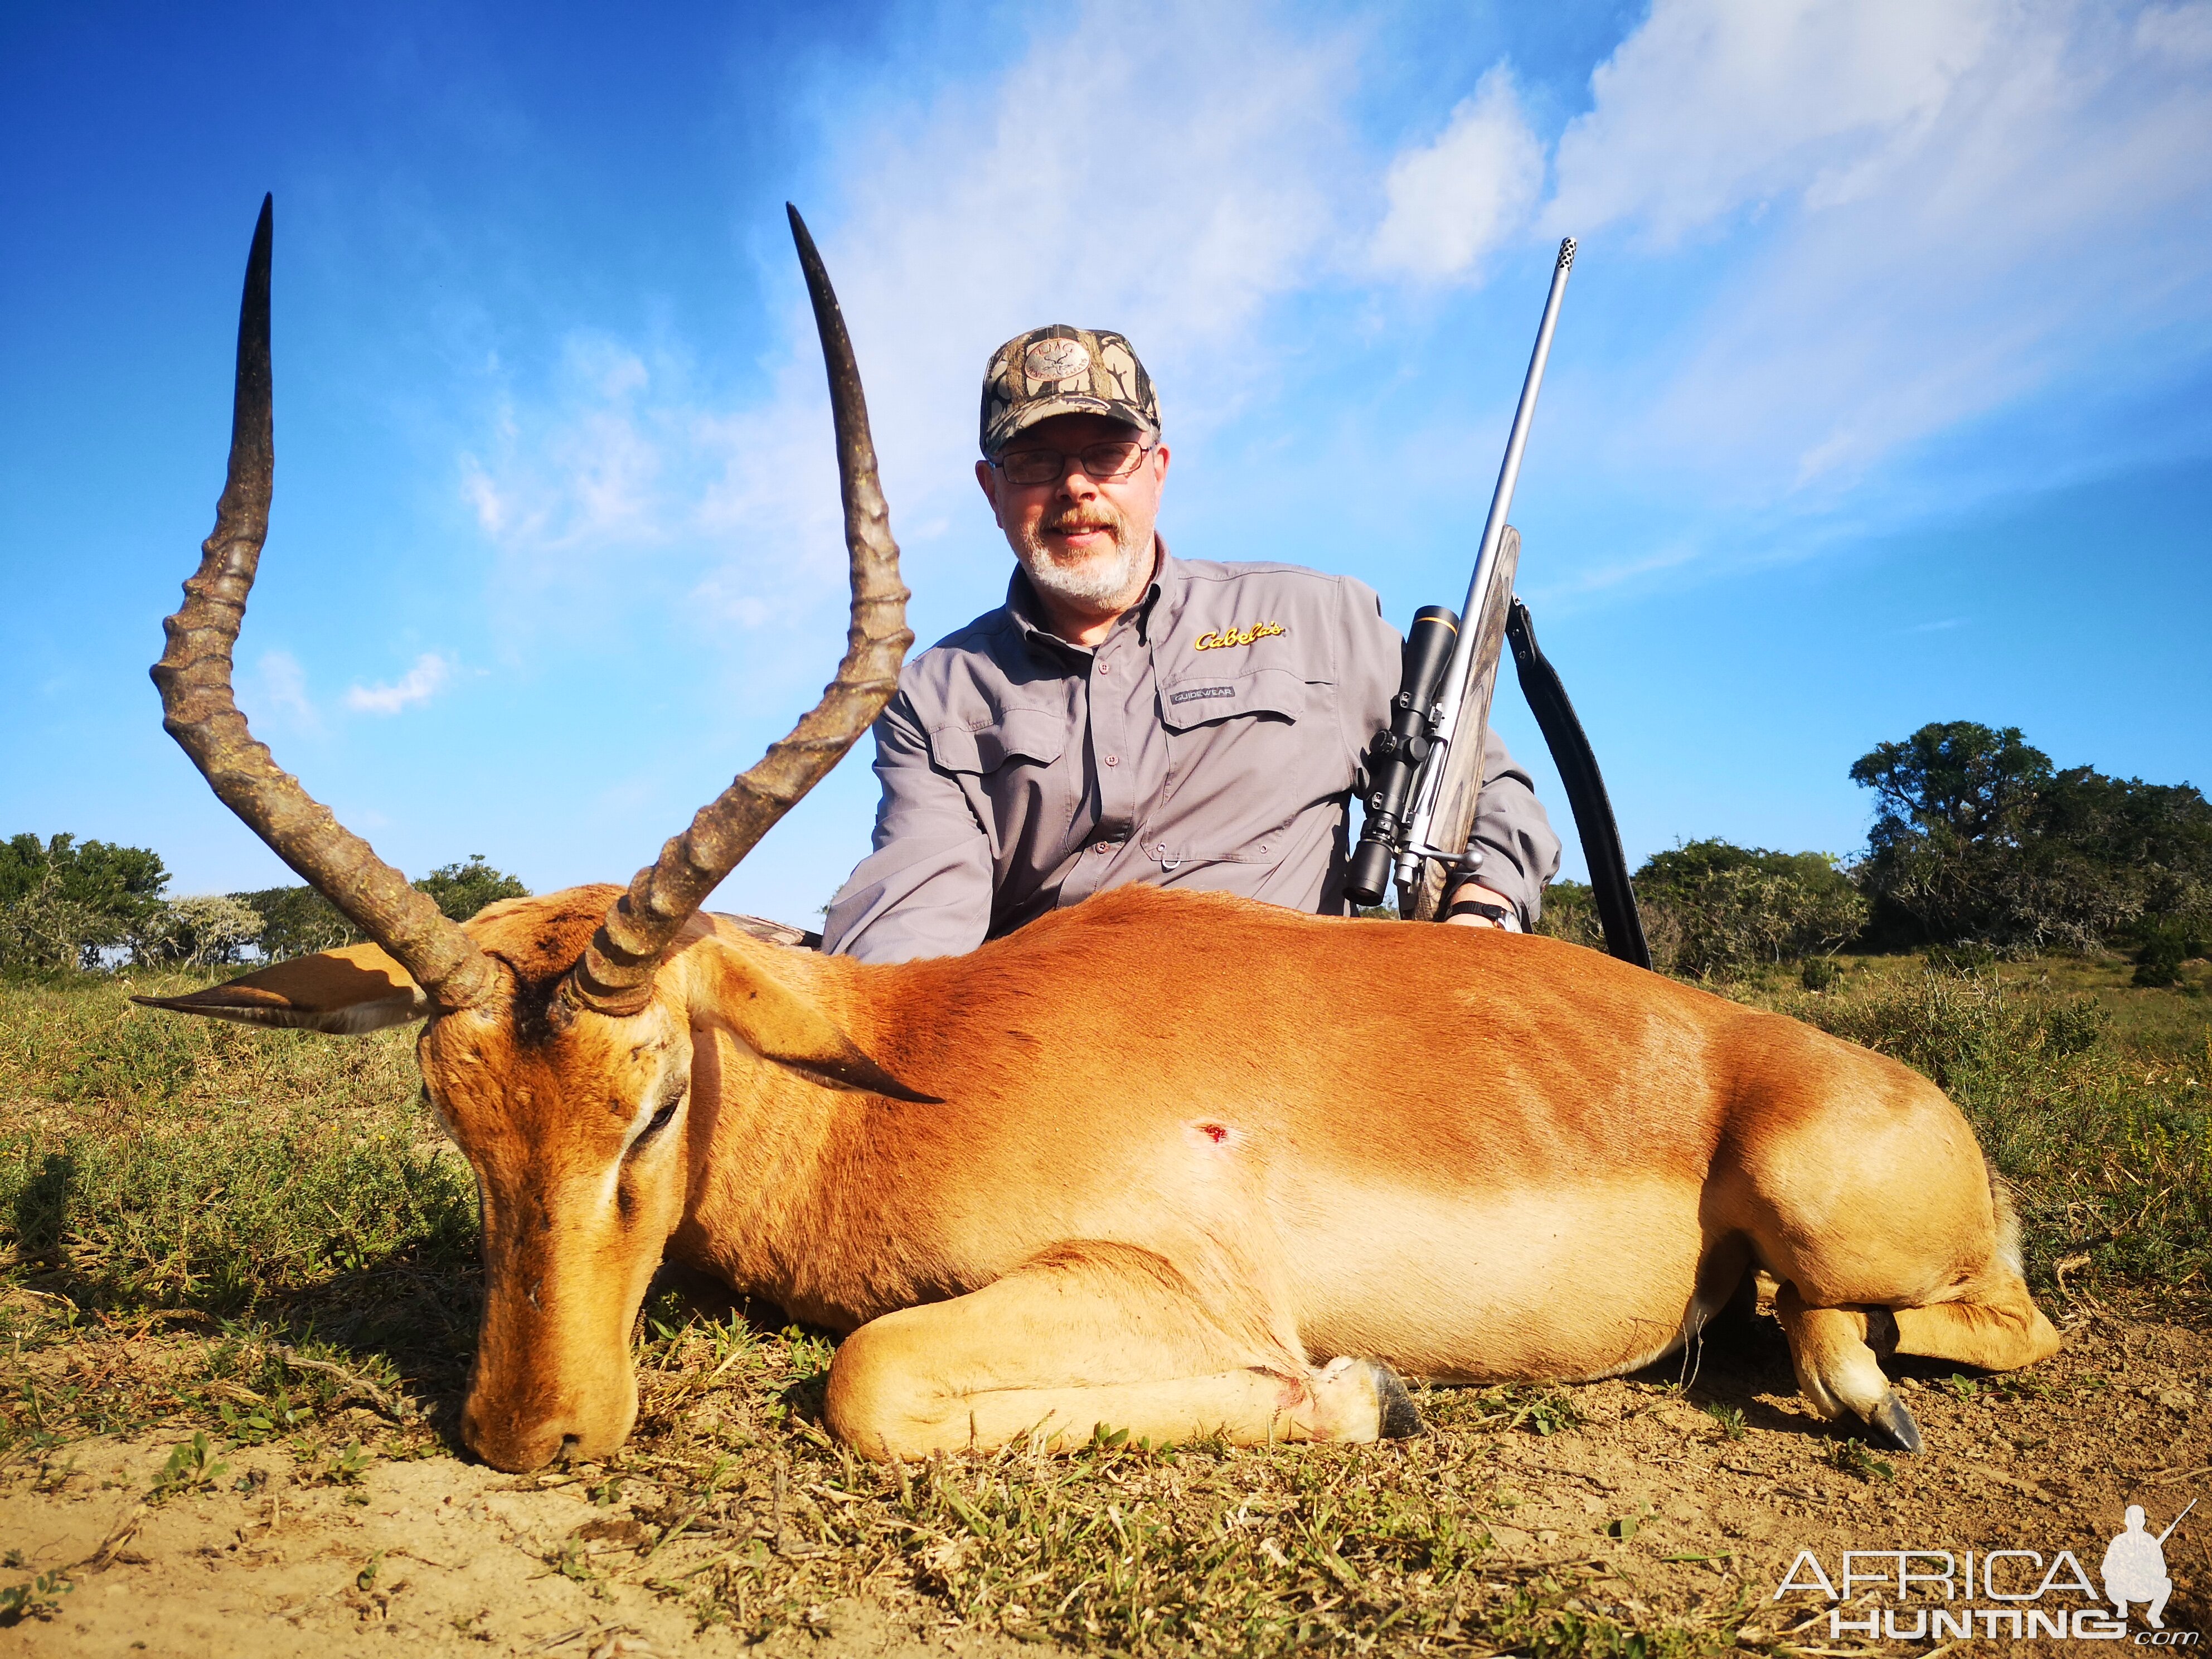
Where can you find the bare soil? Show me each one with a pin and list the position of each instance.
(1675, 1499)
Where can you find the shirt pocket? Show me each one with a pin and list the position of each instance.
(1197, 700)
(1246, 763)
(1037, 735)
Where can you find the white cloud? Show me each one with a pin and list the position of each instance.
(1455, 202)
(417, 685)
(1967, 203)
(1226, 176)
(1220, 175)
(2182, 35)
(1714, 104)
(585, 469)
(1926, 212)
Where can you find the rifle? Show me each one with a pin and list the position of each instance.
(1422, 782)
(2177, 1520)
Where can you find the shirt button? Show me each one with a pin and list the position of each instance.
(1103, 847)
(1104, 669)
(1113, 760)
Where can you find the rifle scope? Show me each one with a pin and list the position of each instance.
(1394, 759)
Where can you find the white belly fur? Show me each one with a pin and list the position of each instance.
(1493, 1287)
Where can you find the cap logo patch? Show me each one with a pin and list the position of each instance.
(1056, 360)
(1230, 636)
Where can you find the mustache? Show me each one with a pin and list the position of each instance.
(1061, 523)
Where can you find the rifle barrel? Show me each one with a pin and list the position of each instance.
(2177, 1520)
(1452, 694)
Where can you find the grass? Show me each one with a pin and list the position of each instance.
(280, 1196)
(255, 1238)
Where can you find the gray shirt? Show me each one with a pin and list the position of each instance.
(1211, 741)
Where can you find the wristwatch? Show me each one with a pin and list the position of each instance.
(1496, 914)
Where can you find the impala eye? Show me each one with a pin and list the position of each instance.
(659, 1120)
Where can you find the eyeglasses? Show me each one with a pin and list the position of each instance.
(1102, 462)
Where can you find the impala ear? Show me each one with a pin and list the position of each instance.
(789, 1028)
(342, 993)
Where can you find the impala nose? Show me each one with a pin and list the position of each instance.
(523, 1429)
(505, 1445)
(514, 1441)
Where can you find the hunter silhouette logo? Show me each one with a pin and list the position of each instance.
(2134, 1567)
(1923, 1595)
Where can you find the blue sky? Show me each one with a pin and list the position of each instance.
(1880, 395)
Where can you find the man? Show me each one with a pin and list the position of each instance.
(1127, 716)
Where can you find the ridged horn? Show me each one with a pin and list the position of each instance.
(615, 976)
(199, 710)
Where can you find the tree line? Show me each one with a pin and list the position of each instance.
(1979, 842)
(70, 905)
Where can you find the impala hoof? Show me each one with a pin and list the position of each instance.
(1894, 1424)
(1399, 1419)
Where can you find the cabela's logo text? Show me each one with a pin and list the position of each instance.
(1229, 636)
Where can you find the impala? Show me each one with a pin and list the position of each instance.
(1181, 1164)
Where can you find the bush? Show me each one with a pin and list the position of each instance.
(1570, 912)
(462, 890)
(1713, 910)
(2161, 949)
(297, 921)
(61, 903)
(197, 932)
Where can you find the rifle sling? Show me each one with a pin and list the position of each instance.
(1594, 822)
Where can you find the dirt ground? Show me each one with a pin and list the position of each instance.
(1662, 1505)
(437, 1556)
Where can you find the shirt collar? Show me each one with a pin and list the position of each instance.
(1021, 606)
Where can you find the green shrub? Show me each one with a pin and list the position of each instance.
(2161, 949)
(222, 1216)
(298, 921)
(1819, 974)
(60, 903)
(1713, 910)
(1570, 912)
(462, 890)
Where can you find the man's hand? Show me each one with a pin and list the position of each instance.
(1475, 891)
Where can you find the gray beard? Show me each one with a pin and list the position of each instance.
(1098, 580)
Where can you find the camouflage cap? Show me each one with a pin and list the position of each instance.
(1060, 370)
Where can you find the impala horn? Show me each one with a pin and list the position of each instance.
(199, 710)
(615, 975)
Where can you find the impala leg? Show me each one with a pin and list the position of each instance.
(1992, 1321)
(1999, 1329)
(1837, 1369)
(1095, 1334)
